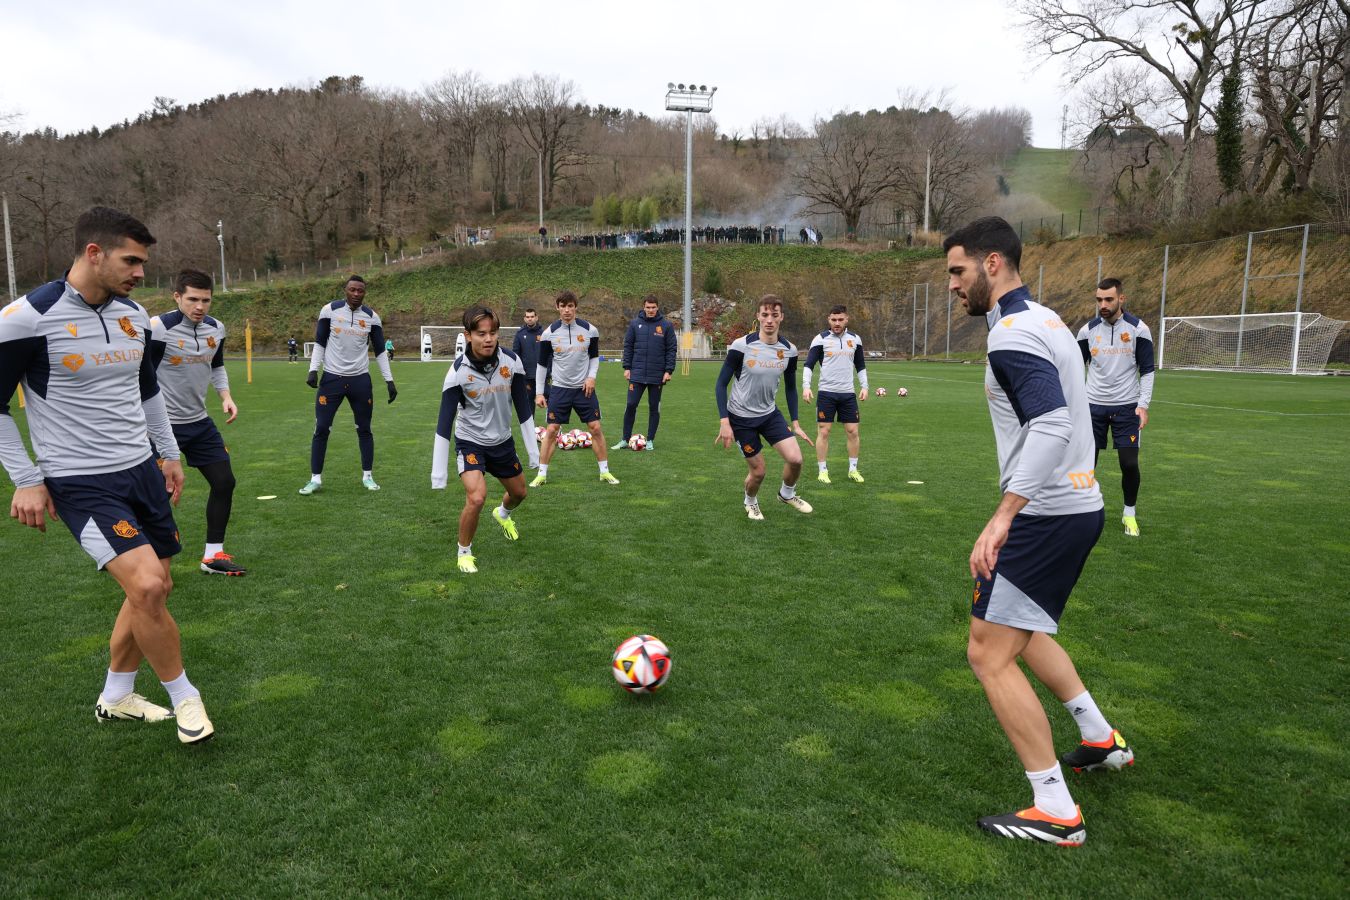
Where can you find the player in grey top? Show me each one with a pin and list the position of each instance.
(187, 348)
(1030, 554)
(481, 390)
(346, 331)
(840, 353)
(754, 366)
(78, 347)
(1118, 350)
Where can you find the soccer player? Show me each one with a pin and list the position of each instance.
(292, 349)
(570, 349)
(526, 347)
(78, 345)
(648, 362)
(1118, 350)
(756, 363)
(1030, 554)
(476, 400)
(347, 329)
(187, 349)
(840, 353)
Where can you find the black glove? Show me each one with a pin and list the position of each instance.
(393, 391)
(312, 379)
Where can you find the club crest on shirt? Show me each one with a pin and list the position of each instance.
(1125, 337)
(180, 345)
(73, 361)
(74, 332)
(581, 339)
(660, 330)
(850, 345)
(361, 323)
(211, 342)
(780, 354)
(473, 395)
(750, 363)
(505, 371)
(127, 328)
(125, 529)
(1094, 351)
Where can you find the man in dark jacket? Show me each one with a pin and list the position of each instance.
(648, 362)
(526, 346)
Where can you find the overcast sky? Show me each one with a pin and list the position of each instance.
(75, 64)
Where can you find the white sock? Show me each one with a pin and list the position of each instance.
(1052, 794)
(543, 470)
(853, 463)
(787, 491)
(1091, 723)
(316, 478)
(750, 501)
(824, 466)
(180, 689)
(212, 550)
(503, 513)
(465, 551)
(366, 473)
(604, 466)
(117, 685)
(1129, 511)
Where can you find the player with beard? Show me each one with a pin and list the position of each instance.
(476, 400)
(1029, 556)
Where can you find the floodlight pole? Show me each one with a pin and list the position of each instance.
(9, 250)
(689, 100)
(220, 239)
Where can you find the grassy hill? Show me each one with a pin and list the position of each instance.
(1050, 175)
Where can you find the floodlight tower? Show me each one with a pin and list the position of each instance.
(689, 99)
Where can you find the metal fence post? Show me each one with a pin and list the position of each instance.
(948, 353)
(913, 324)
(1040, 284)
(1162, 308)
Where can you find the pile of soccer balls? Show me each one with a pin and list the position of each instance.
(641, 664)
(637, 442)
(574, 439)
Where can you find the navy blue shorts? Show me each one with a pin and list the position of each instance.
(1037, 569)
(561, 402)
(772, 428)
(830, 406)
(1124, 424)
(112, 513)
(499, 461)
(200, 443)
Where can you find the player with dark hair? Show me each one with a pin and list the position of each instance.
(187, 349)
(569, 353)
(840, 353)
(346, 331)
(754, 366)
(477, 397)
(1031, 553)
(78, 345)
(649, 354)
(526, 347)
(292, 349)
(1118, 350)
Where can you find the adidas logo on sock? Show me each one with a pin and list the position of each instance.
(1051, 780)
(1077, 710)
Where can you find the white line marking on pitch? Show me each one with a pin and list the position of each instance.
(1261, 412)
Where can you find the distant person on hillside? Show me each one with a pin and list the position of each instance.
(570, 350)
(481, 391)
(346, 331)
(1030, 554)
(754, 366)
(526, 346)
(389, 347)
(1118, 350)
(840, 353)
(649, 354)
(292, 349)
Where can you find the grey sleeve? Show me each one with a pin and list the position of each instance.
(1042, 452)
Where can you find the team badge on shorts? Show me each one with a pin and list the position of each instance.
(471, 459)
(125, 529)
(130, 330)
(323, 401)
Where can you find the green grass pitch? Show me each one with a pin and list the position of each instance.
(386, 724)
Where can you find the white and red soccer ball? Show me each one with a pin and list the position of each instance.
(637, 442)
(641, 664)
(583, 437)
(902, 392)
(566, 440)
(881, 392)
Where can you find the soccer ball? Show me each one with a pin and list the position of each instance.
(539, 432)
(566, 441)
(584, 439)
(641, 664)
(637, 442)
(903, 392)
(881, 392)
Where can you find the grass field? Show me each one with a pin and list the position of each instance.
(387, 725)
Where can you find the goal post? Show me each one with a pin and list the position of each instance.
(1295, 342)
(437, 342)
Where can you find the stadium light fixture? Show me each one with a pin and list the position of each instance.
(689, 100)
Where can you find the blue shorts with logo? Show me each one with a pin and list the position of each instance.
(1124, 424)
(499, 460)
(772, 428)
(1037, 569)
(830, 405)
(114, 512)
(200, 443)
(562, 401)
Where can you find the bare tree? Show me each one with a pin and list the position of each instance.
(455, 104)
(42, 184)
(1103, 33)
(856, 159)
(389, 142)
(544, 111)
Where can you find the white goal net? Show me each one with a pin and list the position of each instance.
(437, 342)
(1298, 343)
